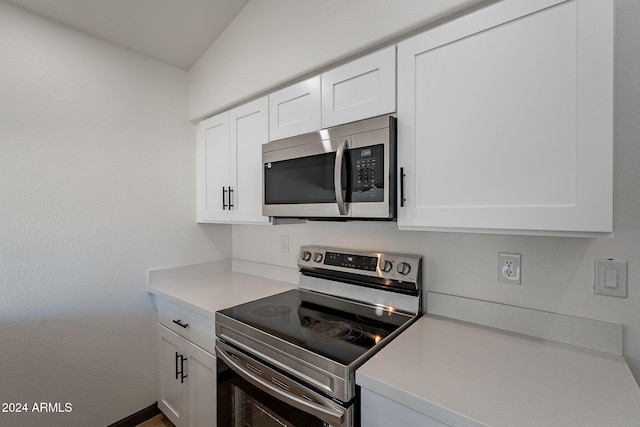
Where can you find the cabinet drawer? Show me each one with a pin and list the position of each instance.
(198, 329)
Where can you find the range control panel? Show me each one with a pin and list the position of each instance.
(390, 266)
(359, 262)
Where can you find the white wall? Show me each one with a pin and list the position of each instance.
(557, 272)
(97, 186)
(274, 41)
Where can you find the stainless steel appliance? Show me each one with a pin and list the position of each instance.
(290, 359)
(344, 172)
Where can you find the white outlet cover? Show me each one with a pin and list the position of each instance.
(509, 270)
(284, 244)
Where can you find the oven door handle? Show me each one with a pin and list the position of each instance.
(334, 417)
(337, 178)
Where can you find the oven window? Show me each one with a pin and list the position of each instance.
(240, 404)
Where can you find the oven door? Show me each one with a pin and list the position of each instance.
(250, 393)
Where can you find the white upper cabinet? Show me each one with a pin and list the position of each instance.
(363, 88)
(295, 109)
(357, 90)
(229, 161)
(249, 130)
(213, 168)
(505, 120)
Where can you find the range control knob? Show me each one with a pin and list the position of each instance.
(306, 256)
(317, 257)
(386, 266)
(404, 268)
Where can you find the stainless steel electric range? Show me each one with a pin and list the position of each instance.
(290, 359)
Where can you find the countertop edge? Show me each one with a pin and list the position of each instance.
(402, 387)
(198, 287)
(415, 403)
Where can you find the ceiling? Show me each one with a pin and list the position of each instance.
(176, 32)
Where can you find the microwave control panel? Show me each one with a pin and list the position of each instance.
(367, 176)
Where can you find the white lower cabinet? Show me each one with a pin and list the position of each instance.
(186, 381)
(505, 120)
(378, 411)
(186, 368)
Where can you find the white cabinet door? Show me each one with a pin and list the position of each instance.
(249, 130)
(172, 394)
(201, 384)
(186, 381)
(229, 164)
(212, 146)
(360, 89)
(505, 119)
(295, 110)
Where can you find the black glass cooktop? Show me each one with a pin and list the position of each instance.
(338, 329)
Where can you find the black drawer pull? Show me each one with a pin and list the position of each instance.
(179, 323)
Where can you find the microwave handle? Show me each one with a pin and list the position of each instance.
(337, 178)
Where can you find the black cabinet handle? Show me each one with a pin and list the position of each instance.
(180, 373)
(177, 355)
(402, 199)
(224, 199)
(230, 197)
(179, 323)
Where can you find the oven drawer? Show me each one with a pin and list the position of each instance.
(198, 329)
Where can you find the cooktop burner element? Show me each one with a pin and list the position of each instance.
(271, 310)
(333, 329)
(317, 323)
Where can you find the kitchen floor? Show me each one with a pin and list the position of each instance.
(157, 421)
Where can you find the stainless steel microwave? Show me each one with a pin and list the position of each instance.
(343, 172)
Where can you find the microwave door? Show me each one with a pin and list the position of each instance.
(305, 185)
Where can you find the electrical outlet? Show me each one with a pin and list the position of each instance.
(284, 244)
(509, 268)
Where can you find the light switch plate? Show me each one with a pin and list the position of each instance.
(610, 278)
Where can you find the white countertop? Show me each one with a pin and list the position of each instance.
(459, 373)
(207, 292)
(464, 374)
